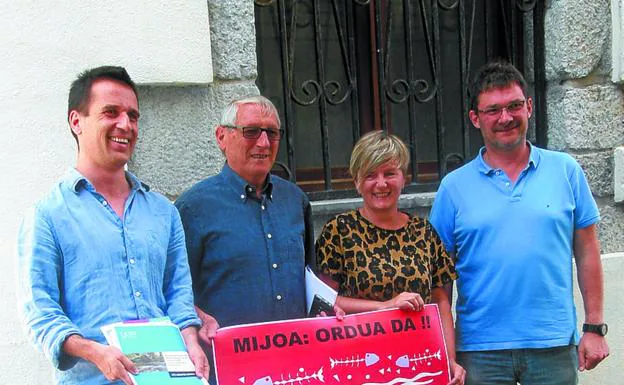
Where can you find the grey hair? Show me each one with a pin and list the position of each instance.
(267, 108)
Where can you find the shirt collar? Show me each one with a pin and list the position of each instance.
(243, 188)
(76, 181)
(485, 168)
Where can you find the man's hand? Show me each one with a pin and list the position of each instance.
(195, 351)
(209, 328)
(458, 374)
(114, 364)
(108, 359)
(592, 350)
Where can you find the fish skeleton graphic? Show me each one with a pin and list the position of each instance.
(404, 360)
(369, 359)
(299, 379)
(419, 379)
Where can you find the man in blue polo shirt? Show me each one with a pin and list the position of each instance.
(514, 217)
(248, 233)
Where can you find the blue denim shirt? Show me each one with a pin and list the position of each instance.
(247, 255)
(80, 267)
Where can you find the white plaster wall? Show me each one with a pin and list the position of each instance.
(43, 45)
(157, 41)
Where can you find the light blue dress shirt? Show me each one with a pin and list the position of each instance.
(80, 266)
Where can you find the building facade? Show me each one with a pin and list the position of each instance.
(216, 51)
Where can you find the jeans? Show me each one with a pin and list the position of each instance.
(550, 366)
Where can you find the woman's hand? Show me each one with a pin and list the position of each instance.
(458, 374)
(405, 301)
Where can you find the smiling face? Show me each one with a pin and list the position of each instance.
(108, 131)
(505, 131)
(381, 188)
(251, 159)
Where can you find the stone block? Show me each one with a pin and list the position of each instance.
(575, 31)
(589, 118)
(611, 226)
(177, 145)
(598, 167)
(176, 141)
(223, 93)
(618, 174)
(233, 38)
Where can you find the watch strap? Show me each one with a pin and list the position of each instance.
(600, 329)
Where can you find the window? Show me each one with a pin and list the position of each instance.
(336, 69)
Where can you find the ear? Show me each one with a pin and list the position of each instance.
(474, 118)
(529, 106)
(74, 122)
(220, 133)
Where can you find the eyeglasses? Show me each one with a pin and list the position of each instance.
(255, 132)
(496, 111)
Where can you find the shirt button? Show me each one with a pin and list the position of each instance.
(269, 236)
(137, 293)
(242, 196)
(104, 203)
(132, 261)
(275, 265)
(497, 172)
(279, 297)
(262, 207)
(507, 184)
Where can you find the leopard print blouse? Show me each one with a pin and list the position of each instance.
(374, 263)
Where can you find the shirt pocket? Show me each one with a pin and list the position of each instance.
(293, 257)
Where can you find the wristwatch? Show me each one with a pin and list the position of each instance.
(600, 329)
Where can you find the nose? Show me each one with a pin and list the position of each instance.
(123, 121)
(505, 116)
(263, 140)
(381, 181)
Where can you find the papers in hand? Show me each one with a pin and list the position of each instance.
(157, 349)
(319, 296)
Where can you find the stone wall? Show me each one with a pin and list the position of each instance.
(585, 108)
(586, 119)
(178, 146)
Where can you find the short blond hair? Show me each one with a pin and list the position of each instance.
(375, 149)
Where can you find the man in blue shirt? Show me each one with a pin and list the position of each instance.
(514, 217)
(100, 247)
(248, 233)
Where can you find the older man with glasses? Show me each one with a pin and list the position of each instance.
(248, 233)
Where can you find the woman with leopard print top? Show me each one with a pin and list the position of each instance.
(378, 257)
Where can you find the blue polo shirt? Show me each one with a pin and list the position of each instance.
(514, 249)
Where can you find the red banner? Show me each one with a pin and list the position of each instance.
(387, 347)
